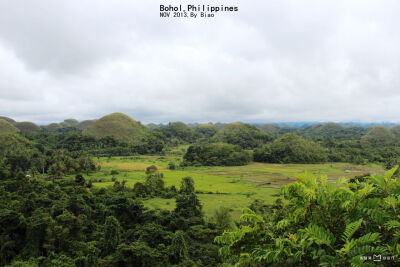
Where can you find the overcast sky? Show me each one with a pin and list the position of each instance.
(271, 61)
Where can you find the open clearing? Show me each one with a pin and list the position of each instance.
(232, 187)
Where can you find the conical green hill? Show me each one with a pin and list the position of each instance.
(117, 125)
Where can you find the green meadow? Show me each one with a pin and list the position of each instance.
(231, 187)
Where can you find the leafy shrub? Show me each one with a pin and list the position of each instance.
(171, 166)
(151, 169)
(325, 224)
(79, 179)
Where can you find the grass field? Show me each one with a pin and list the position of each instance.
(232, 187)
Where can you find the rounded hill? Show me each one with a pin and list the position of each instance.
(291, 148)
(269, 128)
(12, 143)
(84, 124)
(7, 119)
(7, 128)
(395, 129)
(245, 135)
(330, 129)
(69, 123)
(206, 130)
(379, 132)
(27, 126)
(117, 125)
(52, 127)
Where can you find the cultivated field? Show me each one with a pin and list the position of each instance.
(232, 187)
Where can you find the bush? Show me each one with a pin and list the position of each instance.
(223, 218)
(151, 169)
(89, 184)
(171, 166)
(79, 179)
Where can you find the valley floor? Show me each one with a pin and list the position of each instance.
(231, 187)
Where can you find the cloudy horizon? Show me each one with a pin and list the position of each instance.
(271, 61)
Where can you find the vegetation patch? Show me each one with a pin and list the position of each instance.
(216, 154)
(291, 148)
(135, 166)
(7, 128)
(320, 224)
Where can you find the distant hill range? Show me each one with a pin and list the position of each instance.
(122, 126)
(305, 124)
(27, 126)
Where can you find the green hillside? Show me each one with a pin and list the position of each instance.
(269, 128)
(7, 119)
(329, 129)
(379, 132)
(69, 123)
(333, 130)
(395, 129)
(27, 126)
(13, 142)
(117, 125)
(7, 128)
(52, 127)
(206, 130)
(245, 135)
(84, 124)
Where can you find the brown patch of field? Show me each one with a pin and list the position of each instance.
(351, 171)
(351, 168)
(273, 178)
(134, 166)
(270, 186)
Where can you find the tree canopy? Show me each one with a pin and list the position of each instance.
(214, 154)
(291, 148)
(245, 135)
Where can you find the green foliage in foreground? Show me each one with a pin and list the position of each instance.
(64, 223)
(325, 224)
(216, 154)
(291, 148)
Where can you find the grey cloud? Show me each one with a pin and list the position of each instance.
(271, 61)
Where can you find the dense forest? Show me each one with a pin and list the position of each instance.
(48, 218)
